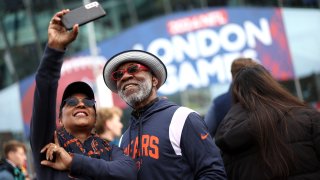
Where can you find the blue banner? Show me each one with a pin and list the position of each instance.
(199, 46)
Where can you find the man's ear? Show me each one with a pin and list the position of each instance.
(154, 81)
(9, 155)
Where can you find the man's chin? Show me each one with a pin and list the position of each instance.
(128, 96)
(129, 92)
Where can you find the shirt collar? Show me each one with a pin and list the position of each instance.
(138, 112)
(11, 163)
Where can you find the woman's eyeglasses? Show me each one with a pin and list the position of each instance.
(132, 69)
(75, 101)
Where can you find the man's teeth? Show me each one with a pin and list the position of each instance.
(128, 86)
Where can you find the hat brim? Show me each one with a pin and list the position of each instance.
(145, 58)
(78, 87)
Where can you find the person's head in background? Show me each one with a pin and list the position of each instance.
(221, 104)
(15, 152)
(254, 83)
(239, 63)
(108, 125)
(268, 105)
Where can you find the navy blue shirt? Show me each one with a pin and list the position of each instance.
(171, 142)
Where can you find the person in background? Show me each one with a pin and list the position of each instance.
(71, 151)
(13, 162)
(167, 141)
(222, 104)
(108, 125)
(268, 133)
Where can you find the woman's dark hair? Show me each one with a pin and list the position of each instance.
(268, 105)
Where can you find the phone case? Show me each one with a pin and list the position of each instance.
(83, 15)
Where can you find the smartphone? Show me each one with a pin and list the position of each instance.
(83, 15)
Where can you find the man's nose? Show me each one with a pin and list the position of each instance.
(126, 75)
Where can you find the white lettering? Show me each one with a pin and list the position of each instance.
(250, 53)
(188, 76)
(235, 32)
(138, 47)
(200, 58)
(209, 68)
(262, 34)
(182, 46)
(162, 48)
(208, 42)
(171, 85)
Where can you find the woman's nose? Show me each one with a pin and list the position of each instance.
(80, 103)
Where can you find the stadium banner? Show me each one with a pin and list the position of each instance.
(199, 46)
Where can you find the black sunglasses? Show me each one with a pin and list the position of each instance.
(132, 69)
(75, 101)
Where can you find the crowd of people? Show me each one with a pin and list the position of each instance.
(261, 131)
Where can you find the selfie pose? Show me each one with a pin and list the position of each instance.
(73, 151)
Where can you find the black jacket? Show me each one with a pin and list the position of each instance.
(240, 150)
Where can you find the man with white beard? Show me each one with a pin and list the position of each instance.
(165, 140)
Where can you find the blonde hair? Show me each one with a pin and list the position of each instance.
(105, 114)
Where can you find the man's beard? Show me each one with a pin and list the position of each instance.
(135, 98)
